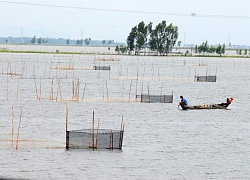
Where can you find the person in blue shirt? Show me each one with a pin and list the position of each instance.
(184, 101)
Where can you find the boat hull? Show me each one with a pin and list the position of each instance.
(205, 106)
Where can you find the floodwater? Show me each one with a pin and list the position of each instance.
(160, 140)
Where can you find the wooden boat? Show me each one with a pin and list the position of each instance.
(208, 106)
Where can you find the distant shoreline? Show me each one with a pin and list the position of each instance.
(103, 50)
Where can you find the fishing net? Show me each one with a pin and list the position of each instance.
(155, 98)
(101, 67)
(205, 78)
(97, 139)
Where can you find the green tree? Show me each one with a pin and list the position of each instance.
(186, 53)
(206, 47)
(141, 36)
(131, 39)
(240, 52)
(67, 41)
(117, 49)
(110, 41)
(33, 40)
(219, 49)
(103, 42)
(245, 51)
(211, 49)
(163, 38)
(39, 40)
(123, 49)
(196, 49)
(223, 49)
(87, 41)
(137, 38)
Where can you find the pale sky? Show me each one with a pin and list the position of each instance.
(217, 21)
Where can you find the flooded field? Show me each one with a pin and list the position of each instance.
(160, 141)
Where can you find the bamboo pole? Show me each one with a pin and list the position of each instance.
(107, 91)
(102, 92)
(44, 71)
(195, 78)
(73, 89)
(8, 68)
(12, 130)
(17, 140)
(148, 92)
(141, 87)
(36, 88)
(51, 92)
(11, 72)
(112, 140)
(83, 91)
(136, 88)
(161, 91)
(73, 69)
(66, 126)
(34, 73)
(121, 134)
(40, 89)
(97, 131)
(67, 115)
(50, 68)
(90, 133)
(78, 89)
(17, 89)
(60, 89)
(129, 91)
(7, 93)
(93, 135)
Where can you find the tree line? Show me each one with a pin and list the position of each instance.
(159, 40)
(205, 48)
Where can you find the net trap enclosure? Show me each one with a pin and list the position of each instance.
(94, 138)
(149, 98)
(146, 98)
(205, 78)
(102, 68)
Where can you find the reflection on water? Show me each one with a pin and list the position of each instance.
(160, 140)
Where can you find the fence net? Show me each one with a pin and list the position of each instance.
(97, 139)
(155, 98)
(101, 67)
(205, 78)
